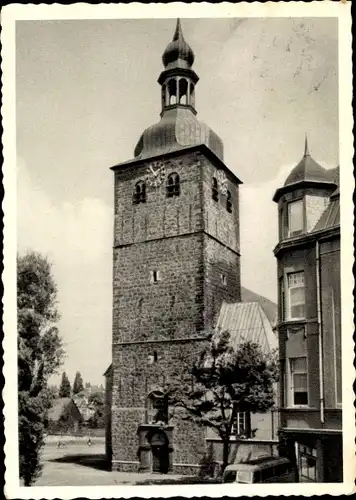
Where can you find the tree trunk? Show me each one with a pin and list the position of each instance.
(226, 452)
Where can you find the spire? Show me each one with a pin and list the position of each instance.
(178, 50)
(178, 79)
(306, 149)
(178, 34)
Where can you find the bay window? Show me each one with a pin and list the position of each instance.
(295, 218)
(296, 295)
(298, 382)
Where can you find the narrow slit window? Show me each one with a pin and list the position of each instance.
(228, 202)
(155, 276)
(214, 190)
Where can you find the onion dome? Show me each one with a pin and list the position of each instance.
(178, 49)
(179, 126)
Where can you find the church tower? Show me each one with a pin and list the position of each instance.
(176, 258)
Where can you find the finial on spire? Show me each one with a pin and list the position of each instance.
(306, 149)
(178, 34)
(178, 49)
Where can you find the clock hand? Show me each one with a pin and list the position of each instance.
(154, 173)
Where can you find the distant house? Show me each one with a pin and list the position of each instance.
(86, 409)
(64, 416)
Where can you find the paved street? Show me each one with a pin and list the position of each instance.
(81, 465)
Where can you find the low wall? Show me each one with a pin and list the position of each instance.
(242, 450)
(59, 438)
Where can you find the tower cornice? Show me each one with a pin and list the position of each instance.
(203, 148)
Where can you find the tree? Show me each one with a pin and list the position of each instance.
(64, 388)
(222, 382)
(40, 354)
(78, 383)
(97, 401)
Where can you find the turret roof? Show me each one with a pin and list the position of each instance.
(307, 172)
(178, 49)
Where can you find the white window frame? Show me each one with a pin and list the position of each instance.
(292, 286)
(239, 427)
(290, 382)
(301, 230)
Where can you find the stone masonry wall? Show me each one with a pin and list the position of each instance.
(162, 310)
(134, 378)
(159, 217)
(190, 242)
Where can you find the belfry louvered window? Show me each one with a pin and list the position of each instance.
(214, 190)
(228, 202)
(139, 194)
(173, 185)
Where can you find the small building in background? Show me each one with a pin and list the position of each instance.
(309, 320)
(64, 417)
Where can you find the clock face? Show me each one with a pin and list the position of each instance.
(222, 180)
(155, 173)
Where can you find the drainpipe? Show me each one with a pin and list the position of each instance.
(320, 331)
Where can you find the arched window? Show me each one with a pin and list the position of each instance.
(183, 91)
(192, 95)
(139, 195)
(228, 202)
(173, 185)
(214, 190)
(172, 91)
(163, 96)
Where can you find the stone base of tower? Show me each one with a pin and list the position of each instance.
(154, 448)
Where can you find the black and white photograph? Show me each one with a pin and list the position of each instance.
(178, 226)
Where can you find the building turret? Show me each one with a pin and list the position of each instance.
(304, 196)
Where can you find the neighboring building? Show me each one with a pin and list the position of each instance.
(253, 434)
(309, 320)
(176, 259)
(64, 416)
(86, 409)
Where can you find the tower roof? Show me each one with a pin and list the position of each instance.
(179, 126)
(178, 50)
(307, 172)
(330, 218)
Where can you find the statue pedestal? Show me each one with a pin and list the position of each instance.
(155, 448)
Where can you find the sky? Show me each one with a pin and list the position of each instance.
(85, 91)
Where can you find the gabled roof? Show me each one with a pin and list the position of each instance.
(246, 321)
(331, 216)
(58, 408)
